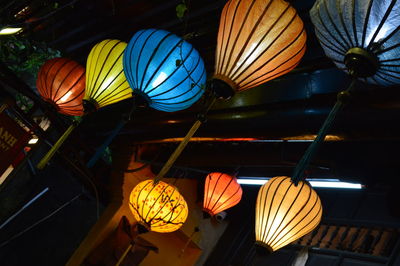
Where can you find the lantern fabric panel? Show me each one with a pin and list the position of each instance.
(158, 206)
(258, 41)
(164, 69)
(371, 25)
(285, 212)
(106, 82)
(61, 82)
(221, 192)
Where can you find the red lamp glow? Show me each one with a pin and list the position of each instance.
(221, 192)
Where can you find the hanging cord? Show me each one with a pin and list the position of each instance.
(342, 99)
(201, 119)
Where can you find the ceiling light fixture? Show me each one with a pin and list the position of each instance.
(315, 183)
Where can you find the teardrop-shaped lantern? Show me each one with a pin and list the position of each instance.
(285, 212)
(221, 192)
(61, 82)
(362, 37)
(164, 69)
(258, 40)
(105, 79)
(159, 207)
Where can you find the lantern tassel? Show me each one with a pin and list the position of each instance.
(100, 150)
(57, 145)
(342, 98)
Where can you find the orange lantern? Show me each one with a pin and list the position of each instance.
(221, 192)
(285, 212)
(258, 40)
(158, 206)
(61, 82)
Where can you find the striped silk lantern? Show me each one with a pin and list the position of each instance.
(258, 40)
(105, 79)
(158, 206)
(362, 37)
(165, 70)
(221, 192)
(61, 83)
(285, 212)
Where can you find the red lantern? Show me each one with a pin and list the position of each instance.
(221, 192)
(61, 82)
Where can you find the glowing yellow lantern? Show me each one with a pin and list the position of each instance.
(105, 79)
(285, 212)
(159, 207)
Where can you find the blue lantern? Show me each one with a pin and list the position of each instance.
(164, 69)
(362, 37)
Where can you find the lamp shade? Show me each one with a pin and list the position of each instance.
(61, 82)
(164, 69)
(258, 40)
(361, 37)
(221, 192)
(158, 206)
(285, 212)
(105, 79)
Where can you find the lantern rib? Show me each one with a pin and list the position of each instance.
(235, 74)
(388, 49)
(207, 190)
(390, 70)
(237, 38)
(171, 211)
(139, 57)
(181, 82)
(329, 32)
(128, 64)
(271, 238)
(277, 67)
(226, 187)
(92, 67)
(46, 91)
(219, 64)
(277, 210)
(186, 100)
(269, 209)
(108, 72)
(154, 203)
(95, 71)
(353, 19)
(73, 85)
(274, 240)
(389, 36)
(261, 226)
(77, 95)
(63, 80)
(144, 72)
(298, 232)
(110, 94)
(339, 8)
(220, 208)
(249, 37)
(54, 78)
(365, 26)
(114, 98)
(334, 25)
(171, 74)
(215, 186)
(389, 60)
(331, 45)
(137, 200)
(383, 20)
(385, 79)
(232, 22)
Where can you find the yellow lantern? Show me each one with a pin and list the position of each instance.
(285, 212)
(105, 79)
(159, 207)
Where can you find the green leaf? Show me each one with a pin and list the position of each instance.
(180, 10)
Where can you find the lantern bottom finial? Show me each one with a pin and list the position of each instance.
(222, 87)
(142, 229)
(263, 249)
(361, 63)
(90, 106)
